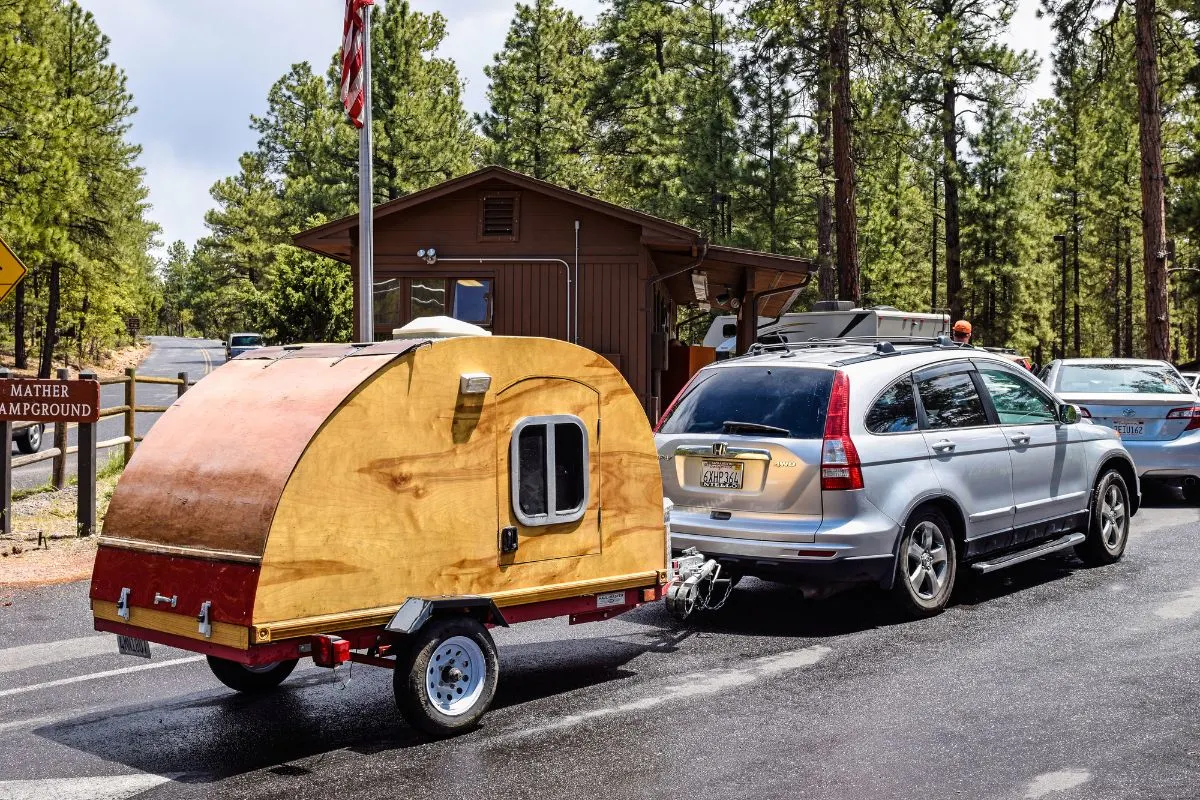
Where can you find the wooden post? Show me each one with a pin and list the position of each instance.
(58, 472)
(183, 387)
(130, 402)
(85, 516)
(6, 468)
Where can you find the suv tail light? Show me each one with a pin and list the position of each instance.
(840, 467)
(1190, 413)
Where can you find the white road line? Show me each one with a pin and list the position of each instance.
(37, 655)
(108, 787)
(1052, 782)
(697, 684)
(97, 675)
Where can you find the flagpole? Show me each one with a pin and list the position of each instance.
(366, 220)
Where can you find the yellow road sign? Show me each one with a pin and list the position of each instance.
(11, 271)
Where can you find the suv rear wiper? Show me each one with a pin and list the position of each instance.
(733, 426)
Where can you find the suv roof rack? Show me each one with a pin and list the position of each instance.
(893, 341)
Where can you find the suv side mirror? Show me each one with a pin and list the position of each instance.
(1068, 414)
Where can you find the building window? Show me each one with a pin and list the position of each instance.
(549, 470)
(386, 306)
(499, 216)
(427, 298)
(473, 301)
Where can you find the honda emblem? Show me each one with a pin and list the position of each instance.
(720, 448)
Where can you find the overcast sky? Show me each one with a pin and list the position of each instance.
(199, 68)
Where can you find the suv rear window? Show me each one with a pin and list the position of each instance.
(245, 341)
(790, 398)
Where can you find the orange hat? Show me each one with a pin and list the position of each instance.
(962, 326)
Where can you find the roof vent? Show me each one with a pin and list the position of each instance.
(833, 305)
(438, 328)
(499, 214)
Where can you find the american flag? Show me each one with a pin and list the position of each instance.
(352, 60)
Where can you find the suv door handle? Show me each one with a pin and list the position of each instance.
(942, 446)
(1020, 437)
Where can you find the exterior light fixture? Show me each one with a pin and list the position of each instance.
(430, 255)
(474, 383)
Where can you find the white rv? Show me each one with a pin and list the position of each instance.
(828, 321)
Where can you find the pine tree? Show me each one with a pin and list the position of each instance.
(540, 87)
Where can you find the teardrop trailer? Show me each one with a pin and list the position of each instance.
(386, 504)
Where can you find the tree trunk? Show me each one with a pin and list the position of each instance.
(826, 275)
(1116, 295)
(1154, 233)
(20, 354)
(933, 250)
(950, 182)
(1128, 293)
(843, 161)
(50, 337)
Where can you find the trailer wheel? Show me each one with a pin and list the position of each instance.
(446, 680)
(250, 680)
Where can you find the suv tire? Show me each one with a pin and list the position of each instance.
(926, 564)
(29, 441)
(1108, 523)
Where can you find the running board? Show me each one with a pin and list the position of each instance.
(1043, 549)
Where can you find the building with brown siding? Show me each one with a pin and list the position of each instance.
(506, 248)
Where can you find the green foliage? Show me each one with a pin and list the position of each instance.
(73, 200)
(541, 84)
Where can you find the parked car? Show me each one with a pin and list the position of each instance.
(1148, 403)
(239, 343)
(897, 465)
(29, 439)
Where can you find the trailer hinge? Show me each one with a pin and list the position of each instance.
(205, 619)
(123, 604)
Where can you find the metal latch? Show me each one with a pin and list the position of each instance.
(508, 540)
(123, 604)
(205, 619)
(161, 598)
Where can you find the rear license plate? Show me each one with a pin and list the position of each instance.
(129, 646)
(721, 475)
(1132, 430)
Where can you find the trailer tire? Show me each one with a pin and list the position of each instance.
(446, 679)
(250, 680)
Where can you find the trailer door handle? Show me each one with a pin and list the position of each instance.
(508, 540)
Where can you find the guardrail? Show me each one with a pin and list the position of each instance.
(129, 409)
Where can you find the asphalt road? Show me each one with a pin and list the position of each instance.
(1046, 680)
(168, 356)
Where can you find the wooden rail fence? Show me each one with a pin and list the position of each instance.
(88, 448)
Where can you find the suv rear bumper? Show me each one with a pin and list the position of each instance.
(857, 547)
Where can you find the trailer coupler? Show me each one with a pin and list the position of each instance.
(696, 580)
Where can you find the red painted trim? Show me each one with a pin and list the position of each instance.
(230, 586)
(260, 654)
(583, 607)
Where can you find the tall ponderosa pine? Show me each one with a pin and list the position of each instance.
(541, 84)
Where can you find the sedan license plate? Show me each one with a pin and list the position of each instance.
(129, 646)
(1132, 430)
(721, 475)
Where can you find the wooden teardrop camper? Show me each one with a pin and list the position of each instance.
(293, 501)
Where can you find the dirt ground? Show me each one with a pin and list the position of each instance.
(43, 547)
(111, 364)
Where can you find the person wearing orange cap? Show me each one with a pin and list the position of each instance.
(961, 332)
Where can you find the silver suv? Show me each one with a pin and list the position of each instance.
(835, 463)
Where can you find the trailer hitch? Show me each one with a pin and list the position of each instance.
(696, 580)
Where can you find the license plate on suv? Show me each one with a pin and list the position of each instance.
(721, 474)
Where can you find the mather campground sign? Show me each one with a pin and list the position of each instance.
(29, 400)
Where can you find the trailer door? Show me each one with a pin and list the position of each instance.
(549, 471)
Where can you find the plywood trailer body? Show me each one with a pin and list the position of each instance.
(306, 492)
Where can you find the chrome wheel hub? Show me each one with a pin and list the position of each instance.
(1113, 518)
(926, 561)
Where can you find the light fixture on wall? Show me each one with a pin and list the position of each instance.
(429, 255)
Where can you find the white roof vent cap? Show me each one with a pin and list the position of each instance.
(438, 328)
